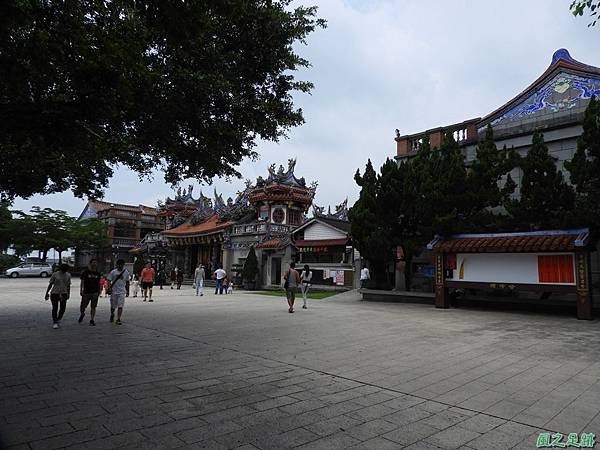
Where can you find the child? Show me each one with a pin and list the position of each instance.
(104, 286)
(226, 284)
(230, 288)
(135, 283)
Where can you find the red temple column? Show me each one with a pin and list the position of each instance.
(582, 278)
(441, 293)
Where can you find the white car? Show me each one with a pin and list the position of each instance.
(30, 270)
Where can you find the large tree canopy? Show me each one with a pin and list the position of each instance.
(185, 86)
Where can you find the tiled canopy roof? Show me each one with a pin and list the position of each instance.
(319, 242)
(209, 226)
(533, 242)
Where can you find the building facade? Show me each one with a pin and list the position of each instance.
(127, 225)
(325, 245)
(553, 104)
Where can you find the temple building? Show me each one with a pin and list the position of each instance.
(324, 243)
(221, 233)
(553, 104)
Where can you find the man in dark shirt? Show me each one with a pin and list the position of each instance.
(90, 290)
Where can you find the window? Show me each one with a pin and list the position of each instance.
(295, 217)
(278, 215)
(556, 269)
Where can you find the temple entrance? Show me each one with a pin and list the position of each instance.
(275, 271)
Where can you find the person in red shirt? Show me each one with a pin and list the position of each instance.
(147, 278)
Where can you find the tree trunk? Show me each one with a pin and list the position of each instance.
(60, 257)
(44, 254)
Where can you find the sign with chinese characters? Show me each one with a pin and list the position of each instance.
(314, 249)
(439, 270)
(582, 283)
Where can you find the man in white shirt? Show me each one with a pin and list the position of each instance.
(364, 277)
(220, 274)
(118, 279)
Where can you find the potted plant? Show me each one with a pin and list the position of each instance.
(250, 270)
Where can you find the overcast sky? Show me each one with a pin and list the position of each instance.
(387, 64)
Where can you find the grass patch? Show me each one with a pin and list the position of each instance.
(314, 295)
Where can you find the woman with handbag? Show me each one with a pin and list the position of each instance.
(292, 280)
(306, 278)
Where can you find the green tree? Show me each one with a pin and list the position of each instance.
(579, 7)
(5, 226)
(189, 87)
(489, 185)
(433, 197)
(88, 234)
(250, 269)
(584, 168)
(546, 200)
(370, 232)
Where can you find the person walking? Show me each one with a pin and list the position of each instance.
(135, 283)
(305, 278)
(59, 291)
(365, 276)
(161, 277)
(174, 276)
(199, 279)
(219, 275)
(118, 279)
(90, 291)
(292, 280)
(148, 276)
(179, 279)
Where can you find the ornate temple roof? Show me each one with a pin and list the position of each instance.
(194, 217)
(209, 226)
(282, 185)
(562, 86)
(340, 213)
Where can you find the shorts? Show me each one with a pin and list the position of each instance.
(147, 284)
(87, 299)
(290, 293)
(117, 300)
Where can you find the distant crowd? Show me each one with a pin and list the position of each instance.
(119, 283)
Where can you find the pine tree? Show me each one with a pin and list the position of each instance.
(369, 230)
(546, 200)
(489, 184)
(584, 168)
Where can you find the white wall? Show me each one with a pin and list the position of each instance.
(319, 231)
(500, 267)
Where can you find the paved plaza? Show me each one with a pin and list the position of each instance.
(238, 371)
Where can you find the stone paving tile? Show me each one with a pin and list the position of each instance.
(376, 444)
(371, 429)
(334, 441)
(219, 372)
(332, 426)
(411, 433)
(452, 438)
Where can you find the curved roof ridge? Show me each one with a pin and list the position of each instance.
(561, 58)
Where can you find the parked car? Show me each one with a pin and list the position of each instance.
(30, 270)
